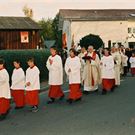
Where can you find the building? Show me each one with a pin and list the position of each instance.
(114, 26)
(19, 33)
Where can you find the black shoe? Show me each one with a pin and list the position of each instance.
(96, 91)
(112, 90)
(116, 86)
(79, 99)
(70, 101)
(51, 101)
(62, 97)
(91, 92)
(3, 117)
(86, 92)
(8, 111)
(104, 92)
(34, 109)
(17, 108)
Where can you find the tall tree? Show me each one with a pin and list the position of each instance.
(47, 31)
(28, 12)
(57, 32)
(50, 30)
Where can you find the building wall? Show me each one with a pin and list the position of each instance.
(116, 31)
(12, 40)
(131, 31)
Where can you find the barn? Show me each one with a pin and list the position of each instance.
(19, 33)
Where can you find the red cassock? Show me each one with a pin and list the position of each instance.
(55, 91)
(75, 91)
(133, 71)
(19, 97)
(32, 97)
(108, 84)
(4, 105)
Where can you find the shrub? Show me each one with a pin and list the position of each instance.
(91, 39)
(40, 57)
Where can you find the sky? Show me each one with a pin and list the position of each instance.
(49, 8)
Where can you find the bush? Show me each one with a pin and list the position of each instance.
(40, 57)
(91, 39)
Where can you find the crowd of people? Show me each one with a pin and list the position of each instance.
(89, 69)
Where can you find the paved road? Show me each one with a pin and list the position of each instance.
(113, 114)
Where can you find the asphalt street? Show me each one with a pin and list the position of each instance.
(111, 114)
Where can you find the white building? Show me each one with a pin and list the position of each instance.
(113, 26)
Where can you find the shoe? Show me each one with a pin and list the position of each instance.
(70, 101)
(51, 101)
(112, 90)
(92, 92)
(34, 109)
(62, 97)
(104, 92)
(86, 92)
(17, 108)
(116, 86)
(79, 99)
(8, 111)
(3, 117)
(96, 91)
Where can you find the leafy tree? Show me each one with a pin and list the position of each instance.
(55, 26)
(28, 12)
(50, 30)
(47, 32)
(93, 40)
(57, 32)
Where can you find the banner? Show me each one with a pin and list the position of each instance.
(64, 40)
(67, 34)
(24, 37)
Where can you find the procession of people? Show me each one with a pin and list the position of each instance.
(87, 72)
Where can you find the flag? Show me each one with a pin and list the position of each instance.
(64, 40)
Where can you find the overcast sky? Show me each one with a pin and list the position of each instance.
(49, 8)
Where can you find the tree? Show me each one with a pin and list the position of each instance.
(93, 40)
(28, 12)
(50, 30)
(57, 32)
(47, 32)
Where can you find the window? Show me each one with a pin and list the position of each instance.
(129, 30)
(133, 30)
(24, 37)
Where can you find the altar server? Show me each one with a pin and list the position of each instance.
(107, 72)
(54, 65)
(32, 85)
(5, 94)
(18, 85)
(73, 68)
(132, 63)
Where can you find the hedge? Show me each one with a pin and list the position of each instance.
(40, 57)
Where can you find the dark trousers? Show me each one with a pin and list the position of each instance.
(125, 70)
